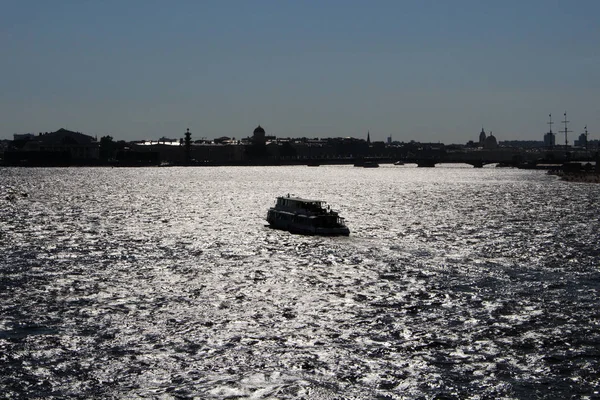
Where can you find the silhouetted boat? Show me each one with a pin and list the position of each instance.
(366, 164)
(370, 164)
(306, 217)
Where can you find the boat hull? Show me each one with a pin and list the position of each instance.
(288, 224)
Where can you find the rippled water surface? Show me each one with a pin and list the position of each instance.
(165, 283)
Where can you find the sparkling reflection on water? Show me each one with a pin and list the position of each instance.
(165, 283)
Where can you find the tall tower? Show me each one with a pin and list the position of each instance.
(188, 146)
(482, 137)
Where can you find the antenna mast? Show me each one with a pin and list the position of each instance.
(566, 131)
(550, 123)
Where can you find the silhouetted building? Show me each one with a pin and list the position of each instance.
(78, 145)
(4, 144)
(62, 147)
(222, 140)
(482, 137)
(259, 135)
(23, 136)
(583, 139)
(490, 142)
(256, 152)
(522, 144)
(549, 139)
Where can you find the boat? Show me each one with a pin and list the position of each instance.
(366, 163)
(306, 217)
(370, 164)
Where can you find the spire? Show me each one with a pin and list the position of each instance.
(482, 136)
(368, 137)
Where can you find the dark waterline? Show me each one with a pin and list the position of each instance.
(165, 283)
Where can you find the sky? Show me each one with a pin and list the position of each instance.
(424, 70)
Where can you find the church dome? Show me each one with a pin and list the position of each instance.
(259, 130)
(490, 142)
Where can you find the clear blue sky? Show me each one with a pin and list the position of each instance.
(422, 70)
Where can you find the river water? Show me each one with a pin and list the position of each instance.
(455, 283)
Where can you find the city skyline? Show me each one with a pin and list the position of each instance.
(426, 71)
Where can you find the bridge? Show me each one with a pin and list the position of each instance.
(429, 158)
(480, 157)
(476, 158)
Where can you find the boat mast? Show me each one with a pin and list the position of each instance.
(566, 131)
(550, 134)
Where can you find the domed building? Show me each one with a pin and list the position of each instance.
(490, 142)
(259, 135)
